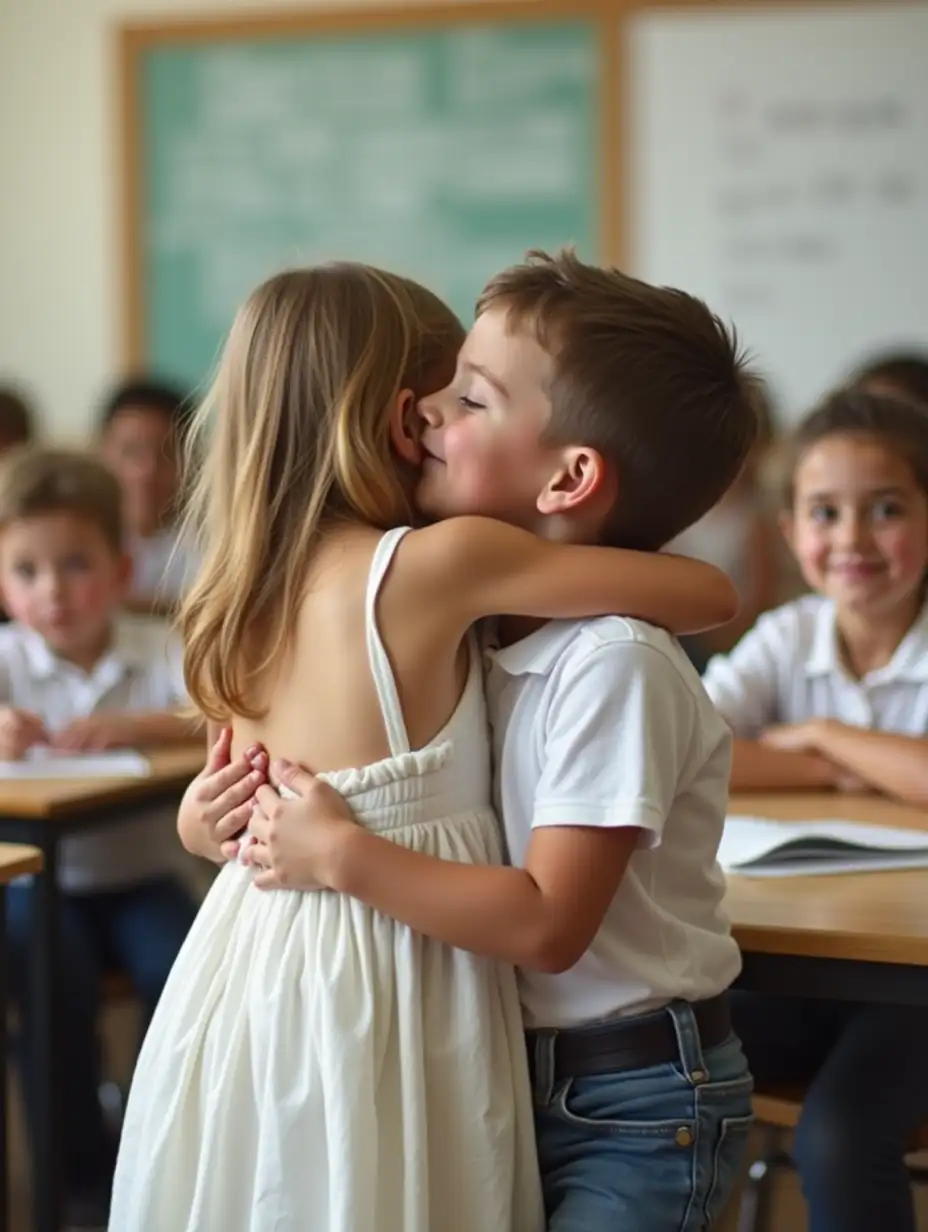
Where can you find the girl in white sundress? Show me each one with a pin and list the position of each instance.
(313, 1066)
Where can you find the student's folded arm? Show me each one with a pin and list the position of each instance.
(890, 763)
(614, 750)
(490, 568)
(758, 767)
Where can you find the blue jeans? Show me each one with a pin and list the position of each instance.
(650, 1150)
(138, 930)
(867, 1066)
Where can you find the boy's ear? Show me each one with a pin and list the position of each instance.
(582, 480)
(406, 428)
(787, 527)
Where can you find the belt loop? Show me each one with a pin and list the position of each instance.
(541, 1043)
(688, 1041)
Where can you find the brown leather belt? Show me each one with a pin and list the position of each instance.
(632, 1043)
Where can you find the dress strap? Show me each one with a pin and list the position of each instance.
(384, 680)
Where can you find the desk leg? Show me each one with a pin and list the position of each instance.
(46, 1152)
(4, 1062)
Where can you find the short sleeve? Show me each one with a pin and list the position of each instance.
(617, 740)
(745, 684)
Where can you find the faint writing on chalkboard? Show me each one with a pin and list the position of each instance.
(797, 174)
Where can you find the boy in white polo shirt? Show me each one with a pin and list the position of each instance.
(591, 408)
(832, 691)
(76, 675)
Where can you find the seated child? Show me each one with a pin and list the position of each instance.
(141, 434)
(832, 691)
(17, 427)
(739, 535)
(77, 675)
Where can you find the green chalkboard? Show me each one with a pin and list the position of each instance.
(441, 151)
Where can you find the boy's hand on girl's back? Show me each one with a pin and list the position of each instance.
(19, 731)
(217, 805)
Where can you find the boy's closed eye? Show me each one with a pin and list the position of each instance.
(471, 404)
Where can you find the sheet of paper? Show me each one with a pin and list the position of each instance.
(883, 863)
(42, 763)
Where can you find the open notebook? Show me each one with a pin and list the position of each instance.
(758, 847)
(41, 763)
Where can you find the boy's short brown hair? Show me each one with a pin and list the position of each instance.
(648, 377)
(35, 482)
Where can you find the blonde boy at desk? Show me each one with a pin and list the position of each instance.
(77, 675)
(831, 691)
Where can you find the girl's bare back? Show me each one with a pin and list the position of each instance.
(321, 706)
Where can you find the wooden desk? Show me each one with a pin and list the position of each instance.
(42, 812)
(58, 799)
(859, 936)
(15, 861)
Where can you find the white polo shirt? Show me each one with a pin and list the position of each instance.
(163, 566)
(788, 669)
(142, 671)
(605, 723)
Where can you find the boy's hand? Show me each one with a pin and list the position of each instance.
(19, 731)
(295, 841)
(217, 806)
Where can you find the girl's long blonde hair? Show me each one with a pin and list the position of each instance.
(293, 435)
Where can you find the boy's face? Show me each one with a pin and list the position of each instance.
(482, 439)
(139, 446)
(60, 576)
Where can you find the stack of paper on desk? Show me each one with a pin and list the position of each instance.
(759, 847)
(42, 763)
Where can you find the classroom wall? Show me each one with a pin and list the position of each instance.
(59, 235)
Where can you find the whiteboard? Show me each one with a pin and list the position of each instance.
(780, 171)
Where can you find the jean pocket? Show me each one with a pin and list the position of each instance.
(598, 1108)
(727, 1157)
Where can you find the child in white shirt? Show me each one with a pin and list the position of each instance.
(739, 535)
(587, 407)
(141, 433)
(831, 691)
(76, 675)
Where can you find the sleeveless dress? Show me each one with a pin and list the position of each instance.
(314, 1066)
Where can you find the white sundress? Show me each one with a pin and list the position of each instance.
(314, 1066)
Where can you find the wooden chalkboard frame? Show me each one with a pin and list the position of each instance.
(610, 16)
(134, 40)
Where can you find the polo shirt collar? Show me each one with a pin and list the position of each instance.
(125, 654)
(909, 663)
(536, 654)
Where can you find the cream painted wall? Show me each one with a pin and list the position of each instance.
(59, 239)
